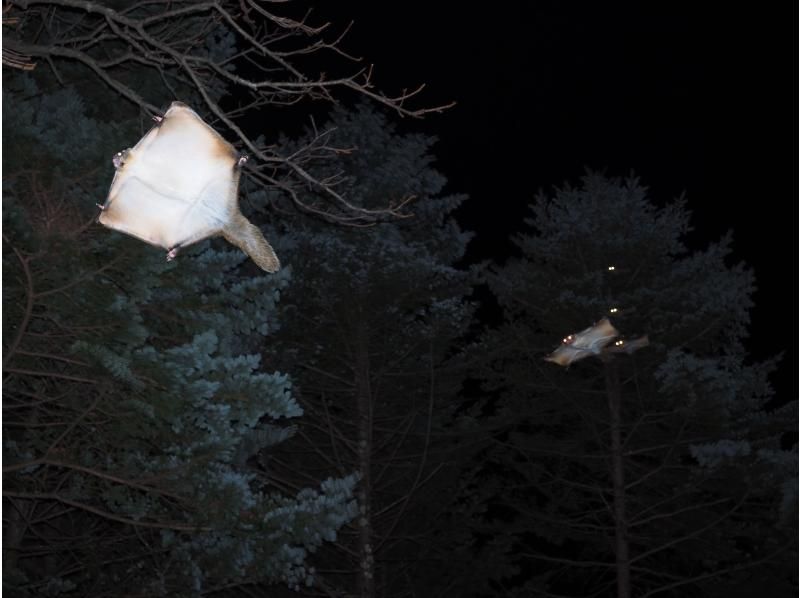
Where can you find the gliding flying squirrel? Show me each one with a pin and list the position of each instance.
(179, 185)
(590, 341)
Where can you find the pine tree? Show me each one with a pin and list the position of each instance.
(652, 473)
(138, 407)
(372, 321)
(136, 403)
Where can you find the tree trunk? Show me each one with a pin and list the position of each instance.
(618, 479)
(366, 560)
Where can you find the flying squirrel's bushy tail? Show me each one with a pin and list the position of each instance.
(248, 237)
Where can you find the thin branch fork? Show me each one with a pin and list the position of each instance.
(153, 44)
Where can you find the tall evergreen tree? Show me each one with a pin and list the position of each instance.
(136, 402)
(134, 394)
(371, 321)
(652, 473)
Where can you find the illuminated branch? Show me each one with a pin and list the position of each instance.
(163, 38)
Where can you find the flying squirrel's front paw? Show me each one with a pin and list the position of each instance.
(119, 158)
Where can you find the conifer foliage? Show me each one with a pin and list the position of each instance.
(371, 324)
(135, 399)
(348, 426)
(635, 474)
(137, 405)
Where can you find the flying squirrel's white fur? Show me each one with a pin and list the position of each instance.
(179, 185)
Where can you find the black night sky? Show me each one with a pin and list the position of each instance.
(692, 99)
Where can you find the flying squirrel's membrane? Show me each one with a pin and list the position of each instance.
(590, 341)
(179, 185)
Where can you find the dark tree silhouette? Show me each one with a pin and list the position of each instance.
(656, 472)
(369, 326)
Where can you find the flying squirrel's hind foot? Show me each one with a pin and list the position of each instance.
(172, 253)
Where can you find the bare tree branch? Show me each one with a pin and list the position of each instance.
(105, 514)
(167, 39)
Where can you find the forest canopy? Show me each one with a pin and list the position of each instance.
(377, 418)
